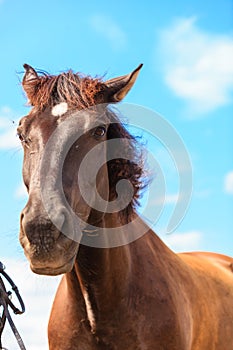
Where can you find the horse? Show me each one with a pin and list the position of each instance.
(116, 292)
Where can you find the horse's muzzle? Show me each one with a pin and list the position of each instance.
(49, 251)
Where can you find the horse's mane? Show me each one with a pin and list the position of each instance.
(131, 167)
(80, 92)
(77, 90)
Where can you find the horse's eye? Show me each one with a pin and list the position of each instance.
(99, 131)
(21, 137)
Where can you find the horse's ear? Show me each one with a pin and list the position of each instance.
(29, 82)
(30, 73)
(120, 86)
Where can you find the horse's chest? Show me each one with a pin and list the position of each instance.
(81, 338)
(137, 329)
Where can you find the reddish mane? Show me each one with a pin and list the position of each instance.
(77, 90)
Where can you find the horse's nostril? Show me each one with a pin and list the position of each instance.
(21, 217)
(43, 228)
(59, 220)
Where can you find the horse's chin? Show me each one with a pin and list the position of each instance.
(53, 271)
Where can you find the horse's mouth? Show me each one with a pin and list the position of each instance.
(52, 270)
(56, 260)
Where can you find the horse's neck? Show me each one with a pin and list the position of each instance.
(104, 274)
(100, 271)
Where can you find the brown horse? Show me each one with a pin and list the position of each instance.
(114, 294)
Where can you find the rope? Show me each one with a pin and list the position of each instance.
(5, 302)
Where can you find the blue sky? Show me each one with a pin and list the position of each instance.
(187, 77)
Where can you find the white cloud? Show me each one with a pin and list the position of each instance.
(21, 191)
(206, 193)
(165, 199)
(38, 293)
(110, 30)
(172, 198)
(228, 182)
(198, 65)
(8, 122)
(186, 241)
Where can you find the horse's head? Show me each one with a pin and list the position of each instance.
(48, 164)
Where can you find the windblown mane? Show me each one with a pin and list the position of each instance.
(77, 90)
(81, 92)
(130, 168)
